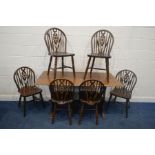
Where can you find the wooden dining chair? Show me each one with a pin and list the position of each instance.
(62, 92)
(24, 78)
(101, 45)
(56, 42)
(91, 93)
(128, 79)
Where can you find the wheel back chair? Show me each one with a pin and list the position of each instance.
(91, 93)
(128, 79)
(56, 43)
(24, 78)
(62, 92)
(101, 45)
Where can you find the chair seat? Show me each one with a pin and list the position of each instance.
(99, 55)
(29, 91)
(61, 54)
(121, 93)
(90, 102)
(60, 102)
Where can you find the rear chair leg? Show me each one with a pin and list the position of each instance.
(73, 66)
(92, 66)
(55, 68)
(87, 68)
(24, 106)
(96, 114)
(70, 114)
(19, 102)
(126, 108)
(108, 102)
(107, 68)
(49, 66)
(42, 101)
(81, 113)
(54, 113)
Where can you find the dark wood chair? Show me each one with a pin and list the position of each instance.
(129, 80)
(56, 43)
(62, 92)
(91, 93)
(24, 78)
(101, 46)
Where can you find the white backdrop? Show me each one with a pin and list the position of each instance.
(134, 49)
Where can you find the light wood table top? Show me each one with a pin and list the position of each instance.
(45, 79)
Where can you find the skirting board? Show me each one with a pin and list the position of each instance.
(47, 97)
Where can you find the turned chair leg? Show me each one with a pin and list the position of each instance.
(54, 113)
(19, 102)
(81, 113)
(73, 66)
(92, 66)
(115, 99)
(70, 114)
(62, 65)
(42, 101)
(107, 68)
(87, 68)
(34, 101)
(49, 66)
(108, 102)
(96, 114)
(55, 67)
(126, 107)
(24, 106)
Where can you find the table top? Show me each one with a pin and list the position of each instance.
(45, 79)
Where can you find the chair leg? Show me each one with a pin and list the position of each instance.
(103, 110)
(55, 67)
(70, 114)
(92, 66)
(49, 66)
(107, 68)
(54, 113)
(62, 65)
(42, 101)
(108, 102)
(126, 107)
(87, 68)
(96, 114)
(34, 101)
(81, 113)
(19, 102)
(115, 99)
(73, 66)
(24, 106)
(129, 104)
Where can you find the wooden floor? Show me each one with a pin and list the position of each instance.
(45, 79)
